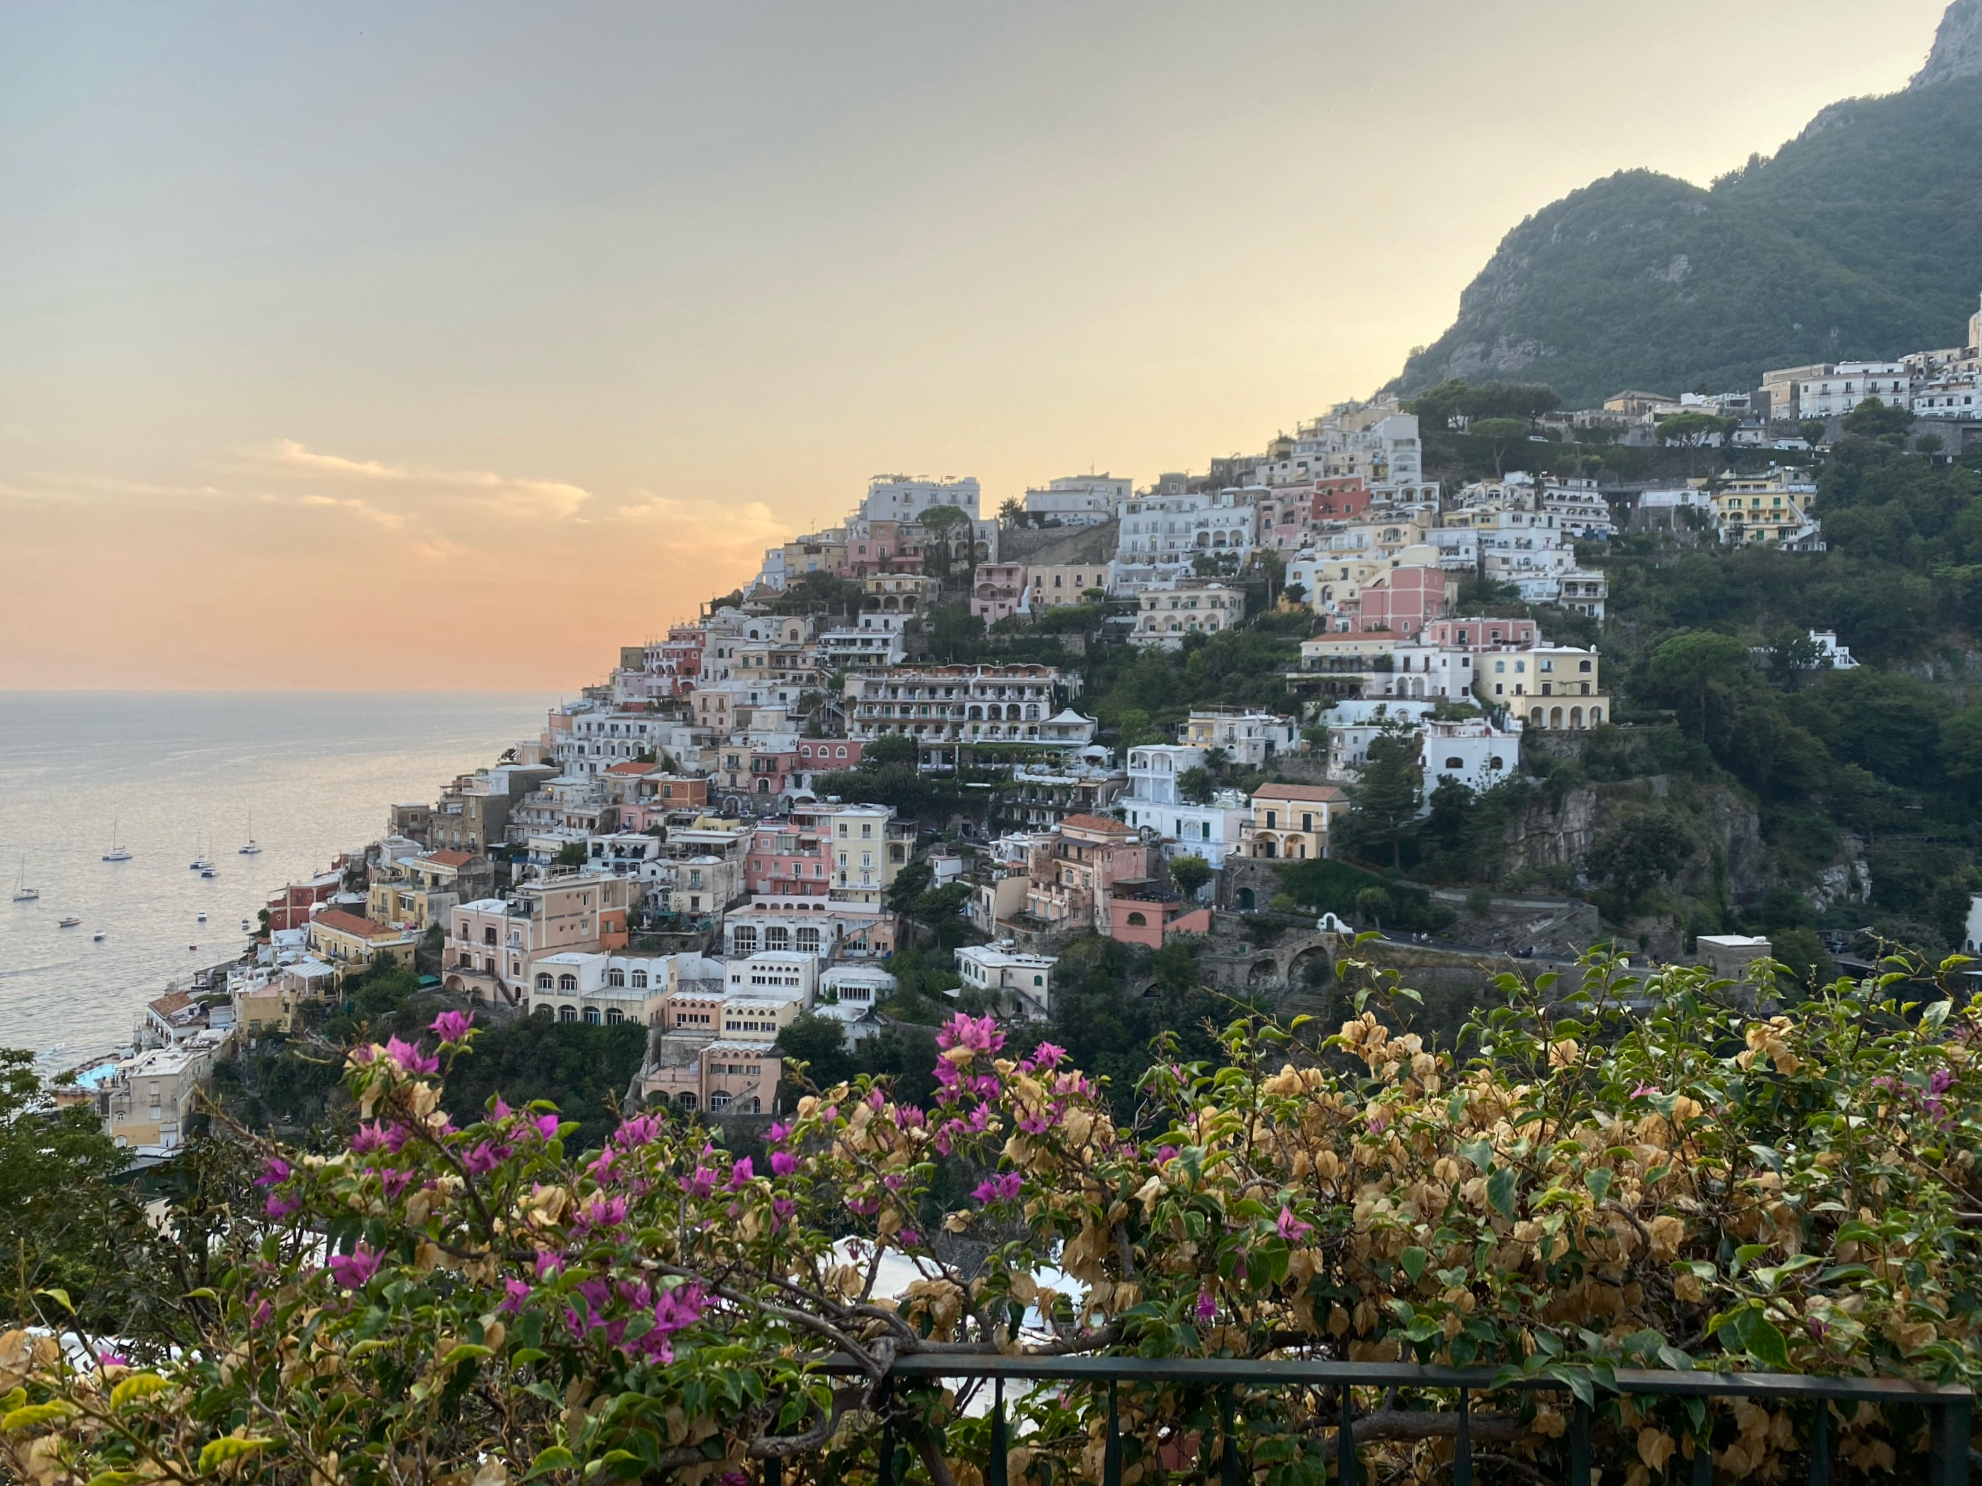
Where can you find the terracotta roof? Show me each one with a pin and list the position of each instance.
(630, 766)
(1096, 823)
(170, 1002)
(1324, 792)
(349, 923)
(449, 858)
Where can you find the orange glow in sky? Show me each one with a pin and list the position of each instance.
(381, 345)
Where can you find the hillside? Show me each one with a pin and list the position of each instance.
(1861, 237)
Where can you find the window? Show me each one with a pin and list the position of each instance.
(745, 939)
(544, 981)
(592, 1015)
(567, 982)
(567, 1013)
(640, 980)
(615, 977)
(1136, 921)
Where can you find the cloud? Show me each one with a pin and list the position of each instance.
(364, 510)
(739, 523)
(557, 499)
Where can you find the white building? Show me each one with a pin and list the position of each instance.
(1167, 613)
(1161, 535)
(904, 498)
(938, 705)
(1849, 383)
(603, 988)
(1247, 738)
(1156, 803)
(776, 974)
(1078, 500)
(1022, 983)
(1470, 751)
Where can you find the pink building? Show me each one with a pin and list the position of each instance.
(789, 859)
(1404, 601)
(1290, 516)
(1076, 871)
(999, 592)
(1152, 920)
(827, 755)
(1479, 634)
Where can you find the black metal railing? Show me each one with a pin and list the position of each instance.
(1949, 1408)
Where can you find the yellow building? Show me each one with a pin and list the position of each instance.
(350, 944)
(1566, 689)
(1771, 509)
(1060, 584)
(1291, 822)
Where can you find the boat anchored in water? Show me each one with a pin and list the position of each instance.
(253, 848)
(97, 936)
(117, 853)
(68, 921)
(22, 892)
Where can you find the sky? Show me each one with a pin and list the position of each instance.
(453, 345)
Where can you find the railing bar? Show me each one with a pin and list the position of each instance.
(1579, 1445)
(1703, 1457)
(1345, 1441)
(996, 1474)
(1284, 1372)
(1228, 1416)
(1820, 1446)
(774, 1470)
(1111, 1459)
(1462, 1460)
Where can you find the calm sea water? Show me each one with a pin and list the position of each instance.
(165, 774)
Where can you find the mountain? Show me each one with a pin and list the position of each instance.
(1862, 237)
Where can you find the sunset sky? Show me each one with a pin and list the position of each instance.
(453, 345)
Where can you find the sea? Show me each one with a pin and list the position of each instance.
(170, 776)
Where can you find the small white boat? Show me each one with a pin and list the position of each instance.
(246, 927)
(69, 921)
(253, 848)
(116, 853)
(22, 892)
(202, 915)
(209, 873)
(97, 936)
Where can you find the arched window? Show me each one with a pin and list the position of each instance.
(614, 1016)
(592, 1015)
(1138, 921)
(1596, 717)
(544, 981)
(1266, 848)
(1575, 717)
(744, 937)
(687, 1099)
(1455, 763)
(776, 936)
(1555, 717)
(1583, 666)
(807, 940)
(718, 1100)
(752, 1105)
(615, 976)
(640, 980)
(567, 982)
(567, 1013)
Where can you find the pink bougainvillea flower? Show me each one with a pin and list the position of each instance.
(701, 1184)
(355, 1269)
(546, 1126)
(638, 1131)
(1645, 1091)
(409, 1057)
(741, 1174)
(777, 1132)
(452, 1026)
(1292, 1228)
(279, 1208)
(1001, 1188)
(1206, 1308)
(516, 1292)
(783, 1163)
(276, 1170)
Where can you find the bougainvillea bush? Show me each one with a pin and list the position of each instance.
(1634, 1171)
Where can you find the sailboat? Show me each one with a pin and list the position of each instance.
(253, 848)
(201, 862)
(22, 892)
(116, 853)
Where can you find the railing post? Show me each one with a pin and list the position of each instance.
(1820, 1447)
(1703, 1456)
(887, 1402)
(1229, 1463)
(774, 1470)
(995, 1474)
(1462, 1458)
(1345, 1442)
(1954, 1421)
(1579, 1445)
(1111, 1459)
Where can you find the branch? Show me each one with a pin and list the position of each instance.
(1413, 1424)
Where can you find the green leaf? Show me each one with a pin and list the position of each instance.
(1755, 1334)
(34, 1415)
(1500, 1191)
(1598, 1182)
(1479, 1152)
(556, 1458)
(60, 1297)
(1675, 1359)
(229, 1447)
(1414, 1260)
(464, 1352)
(137, 1385)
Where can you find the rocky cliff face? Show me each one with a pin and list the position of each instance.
(1552, 838)
(1957, 46)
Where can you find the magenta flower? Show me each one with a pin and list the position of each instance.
(258, 1317)
(355, 1269)
(741, 1174)
(1207, 1308)
(1292, 1228)
(517, 1291)
(783, 1163)
(601, 1213)
(452, 1026)
(777, 1132)
(638, 1131)
(979, 1034)
(107, 1358)
(481, 1159)
(701, 1184)
(910, 1237)
(276, 1170)
(1645, 1091)
(500, 1110)
(1004, 1187)
(1939, 1081)
(545, 1125)
(679, 1307)
(1165, 1153)
(409, 1057)
(1047, 1055)
(279, 1208)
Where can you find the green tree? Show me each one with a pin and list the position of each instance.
(55, 1206)
(1501, 434)
(947, 526)
(1873, 419)
(1373, 906)
(1011, 512)
(1190, 873)
(819, 1042)
(571, 854)
(1195, 785)
(1693, 667)
(1696, 431)
(1385, 798)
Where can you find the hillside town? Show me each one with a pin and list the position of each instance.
(684, 847)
